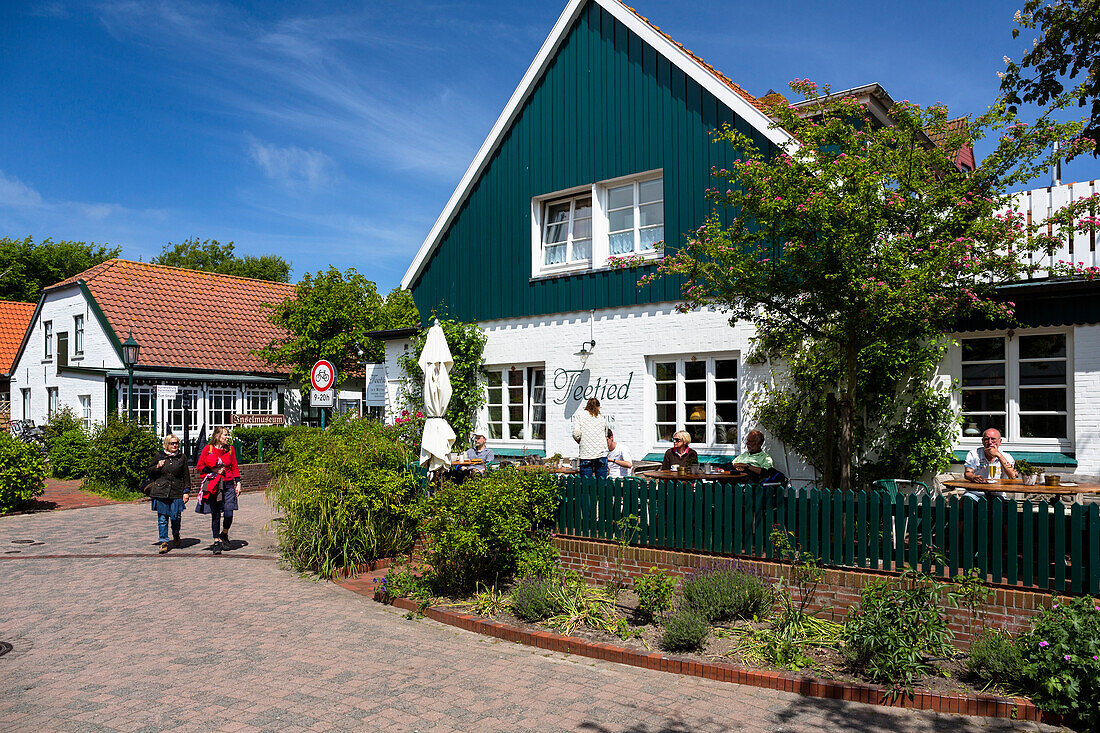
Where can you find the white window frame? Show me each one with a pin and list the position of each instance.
(212, 412)
(681, 402)
(53, 401)
(174, 408)
(144, 413)
(601, 243)
(26, 395)
(1012, 437)
(78, 334)
(47, 340)
(85, 401)
(259, 402)
(526, 372)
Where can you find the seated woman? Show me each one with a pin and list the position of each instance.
(681, 453)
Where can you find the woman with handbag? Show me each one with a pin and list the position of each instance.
(221, 485)
(170, 484)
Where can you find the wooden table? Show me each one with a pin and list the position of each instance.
(1015, 485)
(467, 462)
(724, 476)
(548, 469)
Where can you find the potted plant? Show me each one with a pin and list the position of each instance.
(1028, 473)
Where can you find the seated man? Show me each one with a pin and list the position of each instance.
(681, 453)
(618, 458)
(480, 452)
(982, 462)
(754, 461)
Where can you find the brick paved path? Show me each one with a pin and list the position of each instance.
(111, 637)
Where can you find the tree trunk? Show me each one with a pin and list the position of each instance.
(847, 414)
(830, 440)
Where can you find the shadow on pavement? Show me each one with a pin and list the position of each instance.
(838, 715)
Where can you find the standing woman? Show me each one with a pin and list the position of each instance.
(169, 492)
(590, 430)
(221, 485)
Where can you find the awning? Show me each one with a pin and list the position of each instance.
(197, 377)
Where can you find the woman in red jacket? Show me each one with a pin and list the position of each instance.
(221, 485)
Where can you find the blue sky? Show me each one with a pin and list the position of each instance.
(334, 133)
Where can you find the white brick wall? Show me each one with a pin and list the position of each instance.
(1086, 397)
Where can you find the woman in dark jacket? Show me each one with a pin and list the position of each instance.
(170, 489)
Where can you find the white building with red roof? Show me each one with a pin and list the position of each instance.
(198, 334)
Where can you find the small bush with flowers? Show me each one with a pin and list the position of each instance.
(1062, 660)
(410, 431)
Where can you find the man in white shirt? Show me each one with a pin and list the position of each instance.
(980, 460)
(618, 458)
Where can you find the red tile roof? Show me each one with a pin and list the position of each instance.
(186, 318)
(715, 72)
(14, 319)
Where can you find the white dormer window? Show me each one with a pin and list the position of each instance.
(579, 229)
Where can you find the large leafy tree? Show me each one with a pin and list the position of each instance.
(854, 251)
(27, 266)
(1067, 47)
(213, 256)
(328, 317)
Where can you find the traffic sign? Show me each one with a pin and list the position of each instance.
(322, 399)
(322, 375)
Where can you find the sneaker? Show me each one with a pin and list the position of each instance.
(175, 540)
(217, 547)
(224, 538)
(163, 548)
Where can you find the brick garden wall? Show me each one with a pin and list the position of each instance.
(1009, 609)
(254, 477)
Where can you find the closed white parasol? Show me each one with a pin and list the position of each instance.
(436, 362)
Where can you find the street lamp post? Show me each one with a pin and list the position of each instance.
(130, 349)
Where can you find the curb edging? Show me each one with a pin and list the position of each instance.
(989, 706)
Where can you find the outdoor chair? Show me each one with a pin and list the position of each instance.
(895, 487)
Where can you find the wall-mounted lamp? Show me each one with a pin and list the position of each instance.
(586, 349)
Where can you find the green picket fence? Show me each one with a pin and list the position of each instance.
(1027, 544)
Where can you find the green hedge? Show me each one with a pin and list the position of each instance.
(273, 437)
(346, 496)
(118, 454)
(22, 473)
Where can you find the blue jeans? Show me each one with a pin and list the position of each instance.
(168, 511)
(593, 467)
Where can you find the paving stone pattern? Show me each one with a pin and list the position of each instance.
(111, 637)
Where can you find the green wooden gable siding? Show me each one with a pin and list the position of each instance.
(607, 105)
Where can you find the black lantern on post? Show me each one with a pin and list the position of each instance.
(130, 349)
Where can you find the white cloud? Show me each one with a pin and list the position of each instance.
(292, 167)
(15, 193)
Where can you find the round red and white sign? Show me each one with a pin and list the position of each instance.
(323, 375)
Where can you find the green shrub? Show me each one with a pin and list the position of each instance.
(654, 590)
(895, 628)
(995, 657)
(401, 582)
(539, 558)
(118, 453)
(347, 497)
(684, 631)
(726, 591)
(1061, 653)
(273, 437)
(110, 491)
(477, 530)
(68, 454)
(63, 420)
(22, 473)
(534, 598)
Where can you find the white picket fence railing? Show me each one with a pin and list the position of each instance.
(1076, 247)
